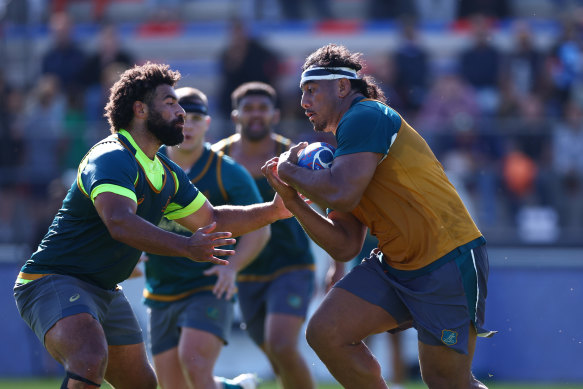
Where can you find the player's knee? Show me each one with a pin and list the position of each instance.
(280, 347)
(317, 335)
(195, 365)
(91, 365)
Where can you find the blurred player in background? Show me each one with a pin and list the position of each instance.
(275, 289)
(68, 292)
(190, 304)
(430, 268)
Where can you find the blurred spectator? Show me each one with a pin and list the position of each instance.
(567, 141)
(97, 13)
(390, 9)
(15, 217)
(531, 133)
(96, 125)
(75, 143)
(43, 133)
(412, 68)
(64, 58)
(383, 69)
(523, 64)
(526, 166)
(436, 11)
(108, 57)
(299, 9)
(480, 65)
(244, 59)
(469, 150)
(519, 173)
(107, 52)
(450, 107)
(498, 9)
(10, 147)
(565, 66)
(508, 101)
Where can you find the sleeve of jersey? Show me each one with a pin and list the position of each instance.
(108, 170)
(187, 199)
(367, 129)
(239, 184)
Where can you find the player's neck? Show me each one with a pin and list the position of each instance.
(145, 140)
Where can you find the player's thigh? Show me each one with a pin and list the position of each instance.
(199, 348)
(282, 330)
(74, 337)
(342, 316)
(128, 367)
(441, 365)
(169, 370)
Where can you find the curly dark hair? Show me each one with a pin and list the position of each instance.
(333, 55)
(252, 88)
(136, 84)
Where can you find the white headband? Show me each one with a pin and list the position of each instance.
(325, 73)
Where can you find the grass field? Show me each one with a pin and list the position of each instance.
(55, 383)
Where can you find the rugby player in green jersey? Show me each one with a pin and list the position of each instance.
(274, 290)
(191, 304)
(68, 292)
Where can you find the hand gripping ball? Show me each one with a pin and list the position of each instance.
(316, 156)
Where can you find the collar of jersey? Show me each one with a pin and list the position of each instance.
(153, 168)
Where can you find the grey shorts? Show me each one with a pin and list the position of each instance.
(201, 311)
(440, 304)
(43, 302)
(289, 293)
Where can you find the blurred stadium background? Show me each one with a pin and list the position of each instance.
(495, 86)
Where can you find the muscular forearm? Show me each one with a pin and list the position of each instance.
(240, 220)
(139, 233)
(326, 233)
(319, 186)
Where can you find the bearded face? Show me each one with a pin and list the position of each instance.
(167, 132)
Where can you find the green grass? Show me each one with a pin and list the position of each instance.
(55, 383)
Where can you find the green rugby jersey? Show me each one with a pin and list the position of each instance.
(78, 242)
(289, 246)
(222, 181)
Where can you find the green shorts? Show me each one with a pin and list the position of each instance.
(441, 304)
(289, 293)
(43, 302)
(202, 311)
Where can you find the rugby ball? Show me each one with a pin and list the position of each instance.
(316, 156)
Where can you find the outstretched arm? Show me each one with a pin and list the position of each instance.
(119, 216)
(237, 219)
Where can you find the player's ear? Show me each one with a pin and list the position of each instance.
(344, 87)
(235, 115)
(140, 109)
